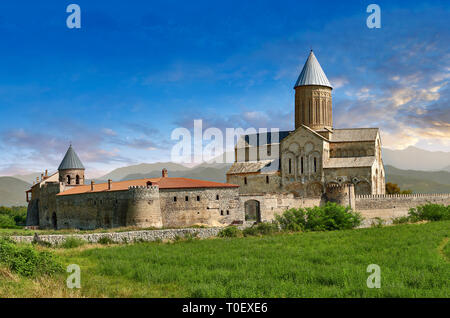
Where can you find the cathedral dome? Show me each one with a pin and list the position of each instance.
(312, 73)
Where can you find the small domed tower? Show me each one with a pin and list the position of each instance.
(313, 97)
(71, 170)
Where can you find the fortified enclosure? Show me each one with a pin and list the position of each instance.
(309, 166)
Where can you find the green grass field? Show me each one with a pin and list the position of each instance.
(414, 261)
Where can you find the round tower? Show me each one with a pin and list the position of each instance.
(342, 194)
(313, 97)
(144, 209)
(71, 170)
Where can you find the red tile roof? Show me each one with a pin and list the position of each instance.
(163, 183)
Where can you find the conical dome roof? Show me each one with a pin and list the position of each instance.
(312, 73)
(71, 161)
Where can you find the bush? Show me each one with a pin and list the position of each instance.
(12, 218)
(292, 220)
(250, 231)
(230, 231)
(264, 228)
(377, 222)
(73, 242)
(27, 261)
(7, 222)
(400, 220)
(429, 212)
(105, 240)
(326, 218)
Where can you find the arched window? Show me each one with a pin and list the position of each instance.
(245, 180)
(77, 179)
(301, 165)
(267, 179)
(68, 179)
(290, 166)
(315, 164)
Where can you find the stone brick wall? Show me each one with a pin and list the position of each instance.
(89, 211)
(148, 207)
(208, 206)
(388, 206)
(129, 237)
(277, 203)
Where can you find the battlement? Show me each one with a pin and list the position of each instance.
(152, 187)
(406, 196)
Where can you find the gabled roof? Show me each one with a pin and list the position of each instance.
(252, 166)
(309, 130)
(312, 73)
(162, 182)
(354, 134)
(71, 161)
(349, 162)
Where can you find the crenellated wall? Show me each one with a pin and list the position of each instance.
(394, 205)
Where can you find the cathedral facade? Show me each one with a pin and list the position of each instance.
(315, 155)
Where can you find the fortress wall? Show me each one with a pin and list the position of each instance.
(92, 210)
(47, 203)
(206, 211)
(394, 205)
(272, 204)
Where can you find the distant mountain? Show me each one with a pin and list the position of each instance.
(419, 181)
(417, 159)
(12, 191)
(29, 178)
(211, 172)
(141, 169)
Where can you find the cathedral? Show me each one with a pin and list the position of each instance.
(313, 156)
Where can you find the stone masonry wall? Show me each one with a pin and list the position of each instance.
(208, 206)
(389, 206)
(128, 237)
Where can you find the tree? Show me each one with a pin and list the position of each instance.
(392, 188)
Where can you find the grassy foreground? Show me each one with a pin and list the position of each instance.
(414, 261)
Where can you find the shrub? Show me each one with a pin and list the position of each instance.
(250, 231)
(105, 240)
(73, 242)
(191, 236)
(326, 218)
(292, 220)
(230, 231)
(429, 212)
(12, 217)
(263, 228)
(400, 220)
(7, 222)
(27, 261)
(377, 222)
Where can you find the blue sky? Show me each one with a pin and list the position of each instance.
(117, 87)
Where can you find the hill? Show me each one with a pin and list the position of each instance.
(417, 159)
(28, 178)
(141, 169)
(12, 191)
(419, 181)
(210, 172)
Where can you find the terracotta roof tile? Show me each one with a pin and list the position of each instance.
(163, 183)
